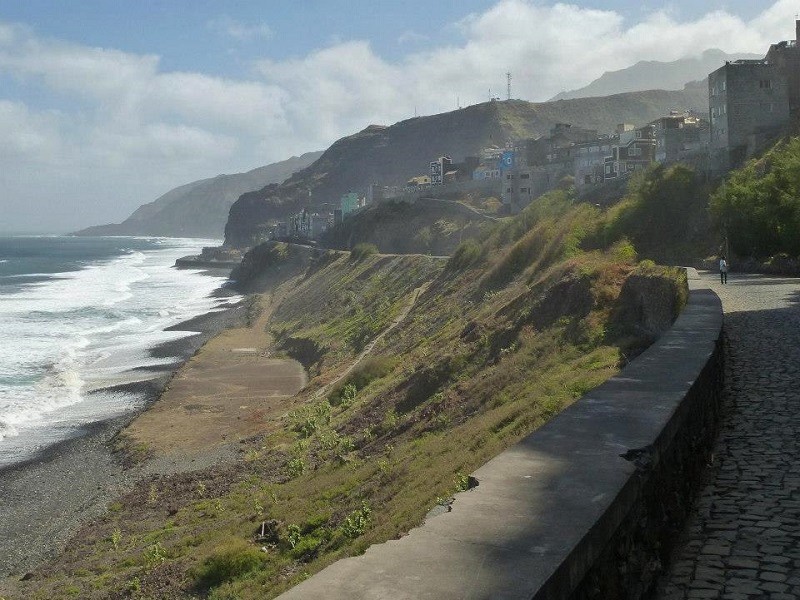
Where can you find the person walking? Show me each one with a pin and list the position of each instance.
(723, 269)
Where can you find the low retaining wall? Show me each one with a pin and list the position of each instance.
(584, 507)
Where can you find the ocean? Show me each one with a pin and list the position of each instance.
(78, 315)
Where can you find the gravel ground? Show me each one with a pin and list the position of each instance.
(44, 501)
(743, 539)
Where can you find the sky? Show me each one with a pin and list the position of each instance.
(107, 104)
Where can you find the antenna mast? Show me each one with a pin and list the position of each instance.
(508, 81)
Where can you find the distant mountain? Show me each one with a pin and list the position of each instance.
(200, 208)
(391, 155)
(652, 74)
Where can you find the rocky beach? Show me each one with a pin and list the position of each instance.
(44, 500)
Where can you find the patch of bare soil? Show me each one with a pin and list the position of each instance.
(227, 392)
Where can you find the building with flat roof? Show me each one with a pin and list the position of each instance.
(748, 107)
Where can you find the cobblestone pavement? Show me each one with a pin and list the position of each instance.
(743, 538)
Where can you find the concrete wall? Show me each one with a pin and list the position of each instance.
(582, 508)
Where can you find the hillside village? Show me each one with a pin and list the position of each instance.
(455, 365)
(751, 104)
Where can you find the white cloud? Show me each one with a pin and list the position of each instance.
(123, 116)
(28, 136)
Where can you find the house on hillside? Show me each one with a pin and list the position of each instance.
(589, 160)
(419, 181)
(748, 107)
(785, 57)
(635, 150)
(438, 168)
(348, 203)
(682, 137)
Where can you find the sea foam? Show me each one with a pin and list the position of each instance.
(79, 331)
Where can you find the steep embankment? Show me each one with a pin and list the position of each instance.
(469, 355)
(200, 208)
(428, 226)
(391, 155)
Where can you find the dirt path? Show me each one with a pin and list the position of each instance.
(226, 392)
(371, 346)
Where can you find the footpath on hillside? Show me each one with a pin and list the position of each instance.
(743, 539)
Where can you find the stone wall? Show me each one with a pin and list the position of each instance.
(585, 507)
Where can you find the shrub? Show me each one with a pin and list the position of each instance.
(358, 521)
(233, 560)
(466, 255)
(365, 373)
(362, 251)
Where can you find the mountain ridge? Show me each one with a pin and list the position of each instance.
(200, 208)
(649, 74)
(390, 155)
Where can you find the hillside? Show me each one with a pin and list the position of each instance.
(428, 227)
(652, 74)
(200, 208)
(391, 155)
(420, 369)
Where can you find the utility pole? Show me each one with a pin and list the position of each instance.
(508, 81)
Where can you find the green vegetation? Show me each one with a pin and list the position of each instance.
(466, 255)
(232, 559)
(664, 215)
(365, 373)
(362, 251)
(523, 321)
(758, 207)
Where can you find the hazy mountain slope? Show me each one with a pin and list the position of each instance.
(652, 74)
(200, 208)
(390, 155)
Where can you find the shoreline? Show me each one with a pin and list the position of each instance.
(47, 497)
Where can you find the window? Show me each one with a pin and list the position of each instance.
(525, 176)
(765, 84)
(724, 85)
(508, 190)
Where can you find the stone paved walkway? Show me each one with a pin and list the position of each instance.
(743, 540)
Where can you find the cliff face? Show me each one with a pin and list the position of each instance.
(391, 155)
(200, 208)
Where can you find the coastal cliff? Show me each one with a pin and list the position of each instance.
(391, 155)
(410, 359)
(200, 208)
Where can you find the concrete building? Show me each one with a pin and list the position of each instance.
(348, 203)
(438, 168)
(748, 107)
(589, 160)
(681, 137)
(320, 224)
(486, 171)
(785, 56)
(635, 150)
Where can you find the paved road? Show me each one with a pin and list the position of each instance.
(743, 540)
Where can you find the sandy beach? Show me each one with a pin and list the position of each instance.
(44, 500)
